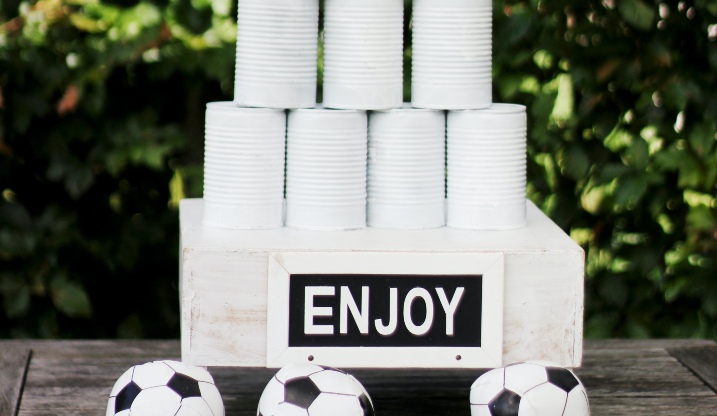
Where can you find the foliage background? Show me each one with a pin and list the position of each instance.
(101, 134)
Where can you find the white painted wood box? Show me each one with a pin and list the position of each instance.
(234, 294)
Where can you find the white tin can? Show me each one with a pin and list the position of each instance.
(406, 168)
(363, 54)
(451, 54)
(243, 166)
(276, 53)
(326, 169)
(487, 168)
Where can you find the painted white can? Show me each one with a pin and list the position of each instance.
(487, 168)
(451, 54)
(243, 166)
(363, 54)
(326, 169)
(406, 168)
(276, 53)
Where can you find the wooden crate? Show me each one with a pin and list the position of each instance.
(225, 285)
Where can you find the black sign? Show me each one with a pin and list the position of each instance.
(344, 310)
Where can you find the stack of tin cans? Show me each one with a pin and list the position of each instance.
(451, 157)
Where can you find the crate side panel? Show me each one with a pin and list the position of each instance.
(543, 316)
(227, 306)
(224, 298)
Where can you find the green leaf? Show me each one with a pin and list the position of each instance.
(709, 304)
(702, 218)
(618, 139)
(510, 85)
(16, 296)
(542, 107)
(514, 29)
(601, 324)
(115, 162)
(637, 330)
(638, 154)
(78, 181)
(14, 215)
(669, 159)
(16, 243)
(691, 175)
(57, 168)
(221, 7)
(630, 190)
(137, 20)
(576, 162)
(176, 189)
(194, 175)
(564, 102)
(70, 298)
(679, 91)
(597, 199)
(614, 290)
(612, 171)
(702, 139)
(637, 13)
(530, 85)
(543, 59)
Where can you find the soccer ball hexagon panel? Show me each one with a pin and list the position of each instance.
(160, 388)
(312, 390)
(529, 389)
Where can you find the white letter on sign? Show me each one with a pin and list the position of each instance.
(450, 307)
(310, 311)
(393, 315)
(360, 317)
(418, 292)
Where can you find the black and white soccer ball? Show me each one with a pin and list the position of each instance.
(313, 390)
(533, 388)
(160, 388)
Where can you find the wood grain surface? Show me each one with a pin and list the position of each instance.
(13, 364)
(656, 377)
(702, 360)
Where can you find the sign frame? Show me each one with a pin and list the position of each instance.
(281, 265)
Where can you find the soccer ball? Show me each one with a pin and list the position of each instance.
(533, 388)
(160, 388)
(313, 390)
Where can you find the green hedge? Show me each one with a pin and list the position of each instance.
(101, 133)
(623, 109)
(102, 121)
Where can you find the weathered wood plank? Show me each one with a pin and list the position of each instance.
(636, 368)
(636, 345)
(65, 401)
(701, 360)
(88, 350)
(75, 377)
(653, 406)
(640, 377)
(622, 378)
(13, 364)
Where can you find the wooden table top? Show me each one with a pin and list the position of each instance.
(622, 377)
